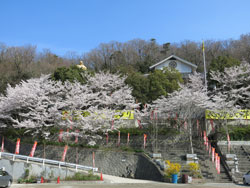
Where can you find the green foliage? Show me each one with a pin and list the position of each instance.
(13, 133)
(163, 82)
(26, 173)
(31, 180)
(143, 66)
(222, 62)
(237, 133)
(72, 73)
(132, 150)
(158, 83)
(131, 131)
(83, 177)
(140, 85)
(219, 64)
(26, 179)
(51, 175)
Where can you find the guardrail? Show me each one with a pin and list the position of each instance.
(60, 164)
(224, 163)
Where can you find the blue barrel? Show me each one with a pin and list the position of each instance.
(174, 178)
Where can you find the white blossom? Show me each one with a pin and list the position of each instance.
(38, 103)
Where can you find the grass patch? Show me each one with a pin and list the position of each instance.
(83, 177)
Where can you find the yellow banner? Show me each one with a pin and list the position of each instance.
(241, 114)
(73, 115)
(125, 115)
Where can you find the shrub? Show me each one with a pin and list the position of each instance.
(194, 169)
(173, 168)
(236, 133)
(26, 173)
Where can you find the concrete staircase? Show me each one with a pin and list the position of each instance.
(177, 154)
(208, 169)
(243, 155)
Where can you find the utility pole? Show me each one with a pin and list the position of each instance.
(204, 60)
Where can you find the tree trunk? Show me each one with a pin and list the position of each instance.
(44, 149)
(190, 136)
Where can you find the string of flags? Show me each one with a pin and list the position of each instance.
(211, 150)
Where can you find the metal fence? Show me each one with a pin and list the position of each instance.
(60, 164)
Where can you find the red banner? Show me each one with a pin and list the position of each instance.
(205, 137)
(139, 123)
(228, 142)
(155, 114)
(212, 124)
(107, 138)
(209, 148)
(93, 158)
(119, 138)
(128, 139)
(112, 125)
(33, 149)
(2, 147)
(144, 140)
(67, 135)
(176, 117)
(185, 125)
(213, 153)
(71, 123)
(198, 127)
(64, 153)
(17, 146)
(76, 136)
(207, 143)
(152, 115)
(60, 136)
(218, 164)
(216, 161)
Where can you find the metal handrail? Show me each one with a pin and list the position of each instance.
(46, 161)
(224, 163)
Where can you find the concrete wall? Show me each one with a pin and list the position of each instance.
(236, 143)
(17, 170)
(110, 162)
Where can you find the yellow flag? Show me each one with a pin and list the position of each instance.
(203, 48)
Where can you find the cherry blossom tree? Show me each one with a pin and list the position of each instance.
(189, 102)
(37, 104)
(232, 91)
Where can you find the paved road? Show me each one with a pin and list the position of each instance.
(118, 182)
(130, 185)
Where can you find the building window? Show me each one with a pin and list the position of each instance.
(173, 64)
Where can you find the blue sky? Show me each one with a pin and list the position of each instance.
(81, 25)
